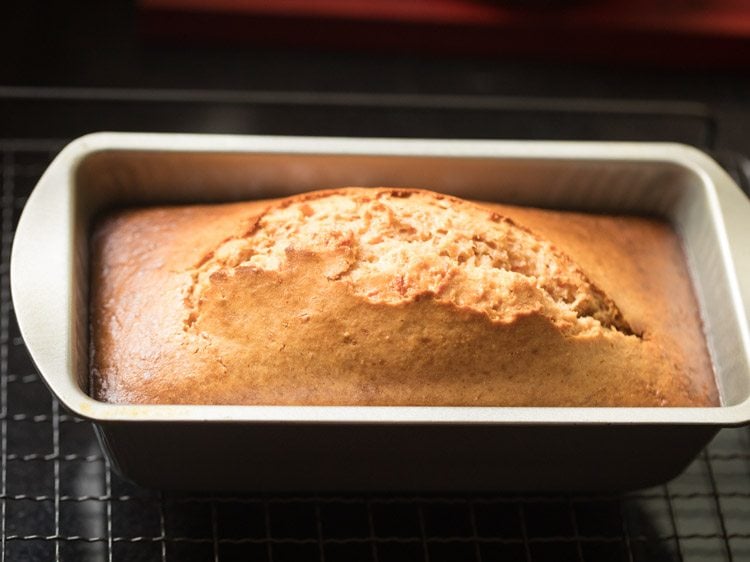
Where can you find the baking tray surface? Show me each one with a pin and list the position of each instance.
(383, 449)
(50, 306)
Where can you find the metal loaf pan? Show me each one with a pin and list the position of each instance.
(384, 448)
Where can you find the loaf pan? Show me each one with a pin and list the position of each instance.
(322, 448)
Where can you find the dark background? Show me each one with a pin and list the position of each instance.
(53, 47)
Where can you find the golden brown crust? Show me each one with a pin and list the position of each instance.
(220, 304)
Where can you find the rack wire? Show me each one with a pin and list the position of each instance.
(61, 500)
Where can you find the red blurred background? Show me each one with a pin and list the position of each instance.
(663, 32)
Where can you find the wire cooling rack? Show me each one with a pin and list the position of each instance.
(60, 499)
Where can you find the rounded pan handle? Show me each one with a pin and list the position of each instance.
(42, 272)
